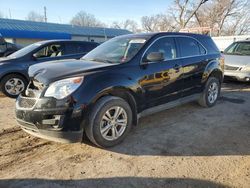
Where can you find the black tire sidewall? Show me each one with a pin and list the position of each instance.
(101, 109)
(8, 77)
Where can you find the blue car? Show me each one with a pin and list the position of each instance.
(14, 68)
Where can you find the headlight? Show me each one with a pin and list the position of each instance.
(63, 88)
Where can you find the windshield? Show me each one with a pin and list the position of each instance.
(25, 50)
(2, 47)
(238, 48)
(116, 50)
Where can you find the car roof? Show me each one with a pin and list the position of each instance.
(247, 40)
(149, 35)
(63, 40)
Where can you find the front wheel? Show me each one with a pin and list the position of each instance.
(109, 122)
(211, 92)
(13, 84)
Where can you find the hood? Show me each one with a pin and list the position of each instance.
(3, 59)
(237, 60)
(56, 70)
(6, 59)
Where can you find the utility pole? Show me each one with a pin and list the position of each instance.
(9, 13)
(45, 13)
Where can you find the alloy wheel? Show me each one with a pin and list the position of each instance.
(113, 123)
(213, 92)
(14, 86)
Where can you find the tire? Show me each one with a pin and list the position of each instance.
(17, 81)
(97, 122)
(205, 99)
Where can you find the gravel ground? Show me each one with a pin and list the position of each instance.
(188, 146)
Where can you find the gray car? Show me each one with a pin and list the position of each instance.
(237, 61)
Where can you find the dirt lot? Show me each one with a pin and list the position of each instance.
(187, 146)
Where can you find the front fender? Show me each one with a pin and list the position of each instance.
(96, 86)
(10, 69)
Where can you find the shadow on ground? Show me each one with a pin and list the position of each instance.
(110, 182)
(191, 130)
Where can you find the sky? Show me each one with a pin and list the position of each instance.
(107, 11)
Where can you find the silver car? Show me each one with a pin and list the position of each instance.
(237, 61)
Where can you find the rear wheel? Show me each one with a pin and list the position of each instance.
(109, 122)
(13, 84)
(211, 92)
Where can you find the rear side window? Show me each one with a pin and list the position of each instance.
(77, 48)
(209, 44)
(190, 47)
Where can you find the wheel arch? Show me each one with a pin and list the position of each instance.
(15, 72)
(213, 69)
(124, 93)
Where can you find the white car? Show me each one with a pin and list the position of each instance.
(237, 61)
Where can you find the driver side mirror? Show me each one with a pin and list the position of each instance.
(154, 57)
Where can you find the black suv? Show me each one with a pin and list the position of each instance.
(127, 77)
(14, 68)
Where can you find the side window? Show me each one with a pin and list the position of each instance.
(190, 47)
(76, 48)
(71, 48)
(52, 50)
(165, 45)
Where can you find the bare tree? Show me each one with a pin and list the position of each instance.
(128, 24)
(184, 10)
(85, 19)
(158, 22)
(224, 16)
(34, 16)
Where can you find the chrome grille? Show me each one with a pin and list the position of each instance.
(228, 67)
(25, 102)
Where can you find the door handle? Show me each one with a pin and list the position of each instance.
(177, 66)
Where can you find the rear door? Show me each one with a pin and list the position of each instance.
(161, 81)
(193, 60)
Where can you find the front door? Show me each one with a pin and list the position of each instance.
(161, 81)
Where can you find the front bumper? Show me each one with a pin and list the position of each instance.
(238, 75)
(56, 120)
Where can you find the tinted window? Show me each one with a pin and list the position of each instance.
(209, 44)
(165, 45)
(77, 48)
(189, 47)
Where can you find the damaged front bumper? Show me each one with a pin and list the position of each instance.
(49, 118)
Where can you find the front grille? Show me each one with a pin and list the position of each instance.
(228, 67)
(25, 102)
